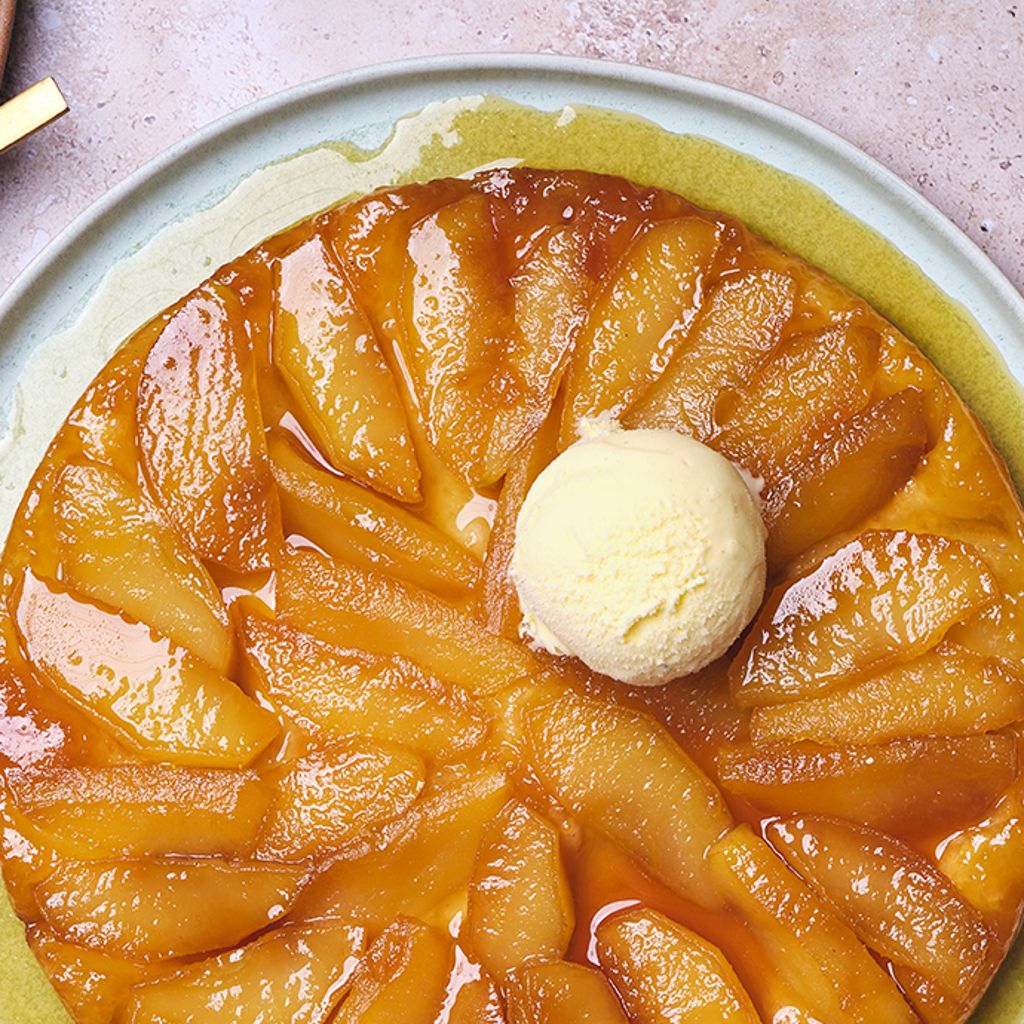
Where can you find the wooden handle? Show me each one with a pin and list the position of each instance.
(29, 111)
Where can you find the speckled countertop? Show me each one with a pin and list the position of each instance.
(935, 91)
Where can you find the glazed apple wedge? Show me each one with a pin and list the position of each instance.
(623, 775)
(899, 904)
(883, 598)
(200, 434)
(143, 809)
(355, 525)
(328, 797)
(115, 546)
(91, 985)
(332, 693)
(550, 993)
(641, 318)
(740, 324)
(950, 691)
(520, 905)
(664, 973)
(404, 976)
(817, 964)
(327, 353)
(811, 382)
(373, 612)
(477, 1002)
(901, 786)
(160, 908)
(415, 864)
(296, 973)
(847, 476)
(157, 698)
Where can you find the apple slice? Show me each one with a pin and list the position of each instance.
(141, 809)
(353, 524)
(885, 597)
(899, 904)
(404, 977)
(326, 351)
(622, 774)
(477, 1002)
(847, 476)
(499, 602)
(412, 865)
(814, 961)
(986, 861)
(374, 612)
(333, 693)
(459, 316)
(664, 973)
(165, 907)
(901, 786)
(557, 992)
(520, 906)
(640, 319)
(91, 985)
(296, 973)
(158, 699)
(328, 797)
(200, 434)
(740, 324)
(116, 547)
(950, 691)
(812, 382)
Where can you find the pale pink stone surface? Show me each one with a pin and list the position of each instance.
(934, 90)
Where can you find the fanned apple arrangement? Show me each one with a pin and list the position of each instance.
(274, 750)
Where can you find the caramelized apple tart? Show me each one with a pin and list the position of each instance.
(274, 750)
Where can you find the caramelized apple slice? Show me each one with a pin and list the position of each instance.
(900, 786)
(459, 315)
(895, 900)
(477, 1002)
(325, 348)
(640, 319)
(140, 809)
(885, 597)
(376, 613)
(814, 960)
(520, 907)
(665, 973)
(949, 691)
(355, 525)
(116, 547)
(414, 864)
(622, 774)
(812, 382)
(404, 977)
(296, 974)
(986, 861)
(333, 693)
(200, 434)
(741, 322)
(158, 699)
(329, 796)
(165, 907)
(499, 602)
(552, 993)
(849, 474)
(91, 985)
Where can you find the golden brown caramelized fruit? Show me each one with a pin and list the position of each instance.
(274, 751)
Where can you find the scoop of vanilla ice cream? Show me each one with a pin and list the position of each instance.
(641, 552)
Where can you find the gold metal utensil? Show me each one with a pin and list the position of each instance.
(35, 108)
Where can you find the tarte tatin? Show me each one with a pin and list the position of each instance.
(275, 752)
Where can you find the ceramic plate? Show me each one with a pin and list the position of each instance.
(362, 107)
